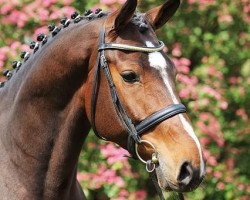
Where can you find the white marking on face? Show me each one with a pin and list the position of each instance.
(187, 126)
(157, 61)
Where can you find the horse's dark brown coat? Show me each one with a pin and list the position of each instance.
(45, 107)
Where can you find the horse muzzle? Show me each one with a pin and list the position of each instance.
(186, 179)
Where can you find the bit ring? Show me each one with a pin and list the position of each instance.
(136, 150)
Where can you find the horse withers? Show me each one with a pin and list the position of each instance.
(101, 70)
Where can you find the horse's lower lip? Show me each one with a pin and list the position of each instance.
(172, 187)
(167, 185)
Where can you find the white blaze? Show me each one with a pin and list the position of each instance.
(157, 61)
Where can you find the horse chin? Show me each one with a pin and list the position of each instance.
(165, 181)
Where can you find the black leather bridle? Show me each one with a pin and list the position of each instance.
(134, 131)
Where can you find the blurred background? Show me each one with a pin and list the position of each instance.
(208, 41)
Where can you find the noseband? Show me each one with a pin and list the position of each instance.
(134, 130)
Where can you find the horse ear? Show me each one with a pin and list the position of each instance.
(120, 18)
(158, 16)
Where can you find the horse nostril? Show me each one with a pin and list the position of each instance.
(186, 174)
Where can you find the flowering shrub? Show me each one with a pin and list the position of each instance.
(209, 44)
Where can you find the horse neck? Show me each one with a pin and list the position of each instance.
(43, 129)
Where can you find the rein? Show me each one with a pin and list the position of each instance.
(134, 130)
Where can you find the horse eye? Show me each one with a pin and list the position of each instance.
(130, 76)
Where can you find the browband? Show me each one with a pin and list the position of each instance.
(127, 47)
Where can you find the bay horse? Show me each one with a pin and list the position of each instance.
(101, 70)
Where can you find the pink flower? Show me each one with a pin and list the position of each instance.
(212, 161)
(113, 154)
(55, 15)
(227, 18)
(204, 102)
(82, 177)
(209, 170)
(165, 49)
(248, 80)
(191, 1)
(185, 61)
(242, 90)
(176, 50)
(15, 45)
(233, 80)
(184, 93)
(241, 186)
(230, 163)
(67, 10)
(123, 193)
(47, 3)
(223, 105)
(1, 64)
(3, 54)
(16, 17)
(187, 79)
(43, 14)
(25, 47)
(229, 179)
(218, 174)
(122, 1)
(6, 8)
(205, 141)
(141, 194)
(211, 70)
(244, 197)
(212, 92)
(242, 113)
(221, 186)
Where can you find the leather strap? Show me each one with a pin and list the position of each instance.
(131, 47)
(94, 91)
(160, 116)
(157, 187)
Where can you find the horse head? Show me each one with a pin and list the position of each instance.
(138, 89)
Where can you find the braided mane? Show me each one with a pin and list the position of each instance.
(42, 39)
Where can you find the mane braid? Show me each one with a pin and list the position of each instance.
(139, 20)
(87, 17)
